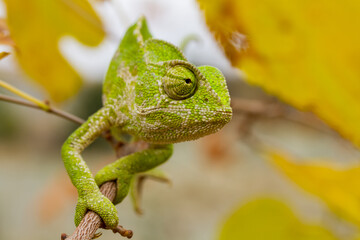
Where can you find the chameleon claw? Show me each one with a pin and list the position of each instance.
(97, 235)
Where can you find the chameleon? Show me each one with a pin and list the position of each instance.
(152, 93)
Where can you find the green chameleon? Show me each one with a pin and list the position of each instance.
(154, 94)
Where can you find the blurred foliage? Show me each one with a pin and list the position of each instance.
(304, 52)
(269, 219)
(8, 122)
(89, 100)
(338, 188)
(5, 34)
(5, 38)
(307, 54)
(36, 27)
(3, 54)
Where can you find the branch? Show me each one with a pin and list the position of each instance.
(273, 109)
(256, 107)
(49, 108)
(24, 95)
(35, 103)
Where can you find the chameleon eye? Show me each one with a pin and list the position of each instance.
(180, 82)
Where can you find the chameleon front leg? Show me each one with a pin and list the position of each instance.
(90, 197)
(124, 169)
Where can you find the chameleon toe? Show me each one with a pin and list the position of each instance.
(80, 211)
(105, 209)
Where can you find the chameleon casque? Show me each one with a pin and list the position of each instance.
(152, 93)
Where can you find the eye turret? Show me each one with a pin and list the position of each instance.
(180, 82)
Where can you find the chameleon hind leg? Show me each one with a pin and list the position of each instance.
(125, 169)
(136, 186)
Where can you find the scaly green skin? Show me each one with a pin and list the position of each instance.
(152, 93)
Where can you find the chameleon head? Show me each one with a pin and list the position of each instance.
(176, 101)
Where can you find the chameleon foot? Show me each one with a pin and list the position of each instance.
(137, 184)
(99, 204)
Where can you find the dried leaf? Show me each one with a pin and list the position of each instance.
(305, 52)
(36, 27)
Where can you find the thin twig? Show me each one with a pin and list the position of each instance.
(276, 109)
(24, 95)
(256, 107)
(50, 109)
(35, 103)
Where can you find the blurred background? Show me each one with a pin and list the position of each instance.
(274, 172)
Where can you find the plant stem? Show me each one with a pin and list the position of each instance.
(50, 109)
(24, 95)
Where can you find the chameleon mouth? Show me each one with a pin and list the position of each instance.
(226, 111)
(165, 125)
(226, 114)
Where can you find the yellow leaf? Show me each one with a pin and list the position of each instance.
(306, 52)
(338, 188)
(269, 219)
(36, 27)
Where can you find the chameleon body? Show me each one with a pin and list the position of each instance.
(152, 93)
